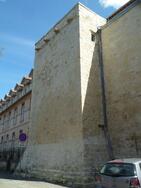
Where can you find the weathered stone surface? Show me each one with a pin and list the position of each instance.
(122, 61)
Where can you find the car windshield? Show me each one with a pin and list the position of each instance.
(118, 169)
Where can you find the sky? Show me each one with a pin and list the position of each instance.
(24, 22)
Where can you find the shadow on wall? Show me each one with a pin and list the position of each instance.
(11, 159)
(94, 140)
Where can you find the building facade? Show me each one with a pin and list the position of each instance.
(86, 92)
(14, 122)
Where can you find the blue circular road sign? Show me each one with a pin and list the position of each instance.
(22, 137)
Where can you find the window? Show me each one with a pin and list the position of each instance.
(2, 139)
(29, 109)
(4, 119)
(9, 118)
(92, 37)
(29, 103)
(15, 116)
(13, 136)
(140, 166)
(22, 111)
(118, 169)
(21, 131)
(7, 138)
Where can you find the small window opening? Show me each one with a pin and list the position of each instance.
(21, 131)
(13, 136)
(7, 137)
(2, 139)
(92, 37)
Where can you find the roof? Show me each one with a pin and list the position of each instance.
(18, 87)
(26, 80)
(7, 97)
(126, 160)
(31, 73)
(12, 92)
(121, 9)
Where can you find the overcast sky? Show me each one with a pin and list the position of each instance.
(24, 22)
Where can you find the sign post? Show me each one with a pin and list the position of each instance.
(22, 139)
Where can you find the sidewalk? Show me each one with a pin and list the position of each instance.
(9, 183)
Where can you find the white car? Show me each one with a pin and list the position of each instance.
(120, 173)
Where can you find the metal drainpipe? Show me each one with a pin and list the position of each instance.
(104, 104)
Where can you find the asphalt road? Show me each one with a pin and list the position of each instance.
(7, 181)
